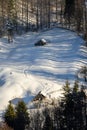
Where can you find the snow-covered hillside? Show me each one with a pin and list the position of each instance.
(25, 69)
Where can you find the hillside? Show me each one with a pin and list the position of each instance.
(26, 70)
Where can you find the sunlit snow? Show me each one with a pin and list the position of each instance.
(25, 69)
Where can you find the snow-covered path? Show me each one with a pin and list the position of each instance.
(25, 69)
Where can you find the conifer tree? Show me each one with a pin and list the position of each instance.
(75, 109)
(69, 8)
(76, 87)
(10, 116)
(69, 12)
(22, 116)
(17, 118)
(48, 124)
(66, 88)
(67, 106)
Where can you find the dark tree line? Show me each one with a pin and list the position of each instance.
(69, 114)
(38, 14)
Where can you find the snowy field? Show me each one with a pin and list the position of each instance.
(25, 69)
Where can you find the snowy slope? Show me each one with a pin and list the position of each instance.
(25, 69)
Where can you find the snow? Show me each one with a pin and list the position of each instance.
(43, 40)
(25, 69)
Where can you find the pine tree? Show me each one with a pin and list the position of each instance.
(22, 116)
(76, 87)
(66, 88)
(69, 8)
(74, 107)
(68, 105)
(10, 116)
(69, 11)
(48, 124)
(83, 102)
(17, 118)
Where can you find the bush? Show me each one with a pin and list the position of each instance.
(41, 42)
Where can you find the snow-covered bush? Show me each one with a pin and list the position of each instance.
(41, 42)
